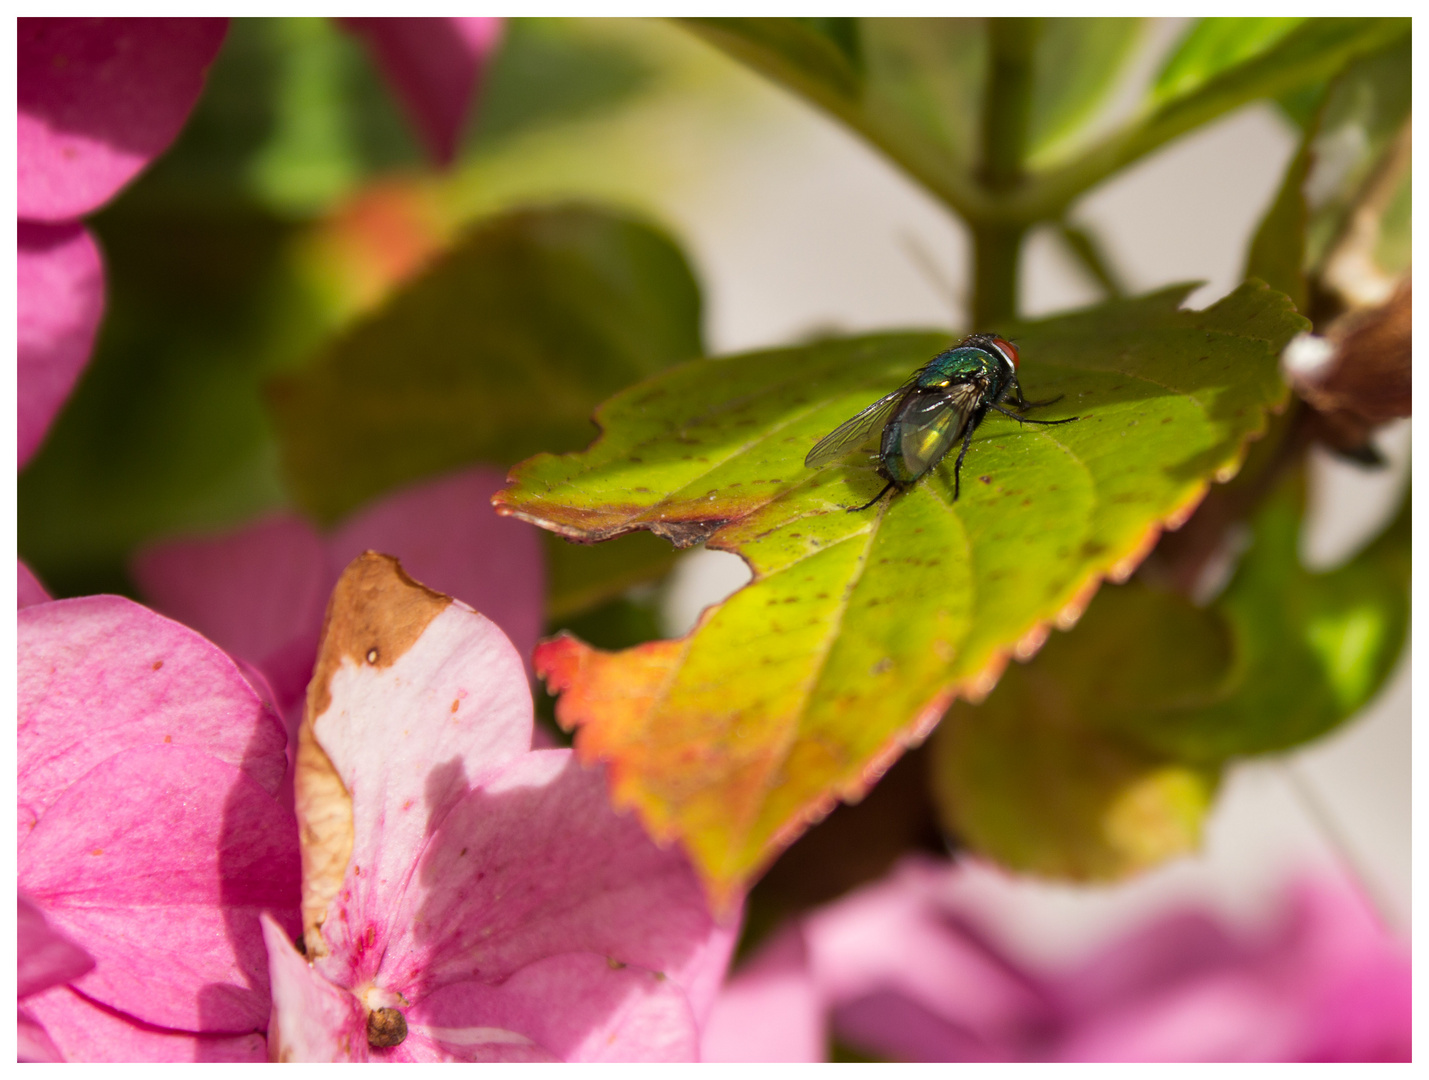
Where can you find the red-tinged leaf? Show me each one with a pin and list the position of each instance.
(859, 629)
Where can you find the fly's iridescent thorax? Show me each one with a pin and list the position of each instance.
(983, 363)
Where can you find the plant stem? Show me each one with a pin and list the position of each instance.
(1007, 101)
(1006, 109)
(997, 253)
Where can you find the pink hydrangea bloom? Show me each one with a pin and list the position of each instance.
(150, 833)
(435, 65)
(28, 589)
(771, 1010)
(908, 970)
(260, 592)
(465, 897)
(98, 100)
(60, 299)
(44, 958)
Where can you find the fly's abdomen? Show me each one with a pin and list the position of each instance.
(918, 436)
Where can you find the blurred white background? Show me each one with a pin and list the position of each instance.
(795, 226)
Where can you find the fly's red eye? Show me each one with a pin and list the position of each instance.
(1009, 350)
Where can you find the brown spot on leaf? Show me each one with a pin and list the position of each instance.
(685, 534)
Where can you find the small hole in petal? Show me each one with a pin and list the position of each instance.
(386, 1027)
(372, 658)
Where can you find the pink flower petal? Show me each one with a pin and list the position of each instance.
(33, 1042)
(85, 1031)
(312, 1020)
(98, 100)
(257, 593)
(100, 674)
(409, 735)
(434, 65)
(448, 537)
(534, 863)
(159, 860)
(770, 1010)
(1225, 1016)
(895, 938)
(574, 1007)
(59, 301)
(46, 957)
(28, 589)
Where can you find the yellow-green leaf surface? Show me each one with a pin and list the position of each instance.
(859, 628)
(1099, 758)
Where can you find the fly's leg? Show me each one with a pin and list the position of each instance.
(1027, 420)
(865, 506)
(1023, 404)
(958, 466)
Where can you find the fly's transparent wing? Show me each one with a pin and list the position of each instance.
(852, 433)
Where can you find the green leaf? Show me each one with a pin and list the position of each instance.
(1099, 758)
(1363, 112)
(1311, 649)
(166, 430)
(549, 72)
(914, 87)
(858, 629)
(581, 576)
(500, 348)
(1277, 251)
(1348, 135)
(1309, 53)
(1212, 46)
(294, 116)
(1077, 63)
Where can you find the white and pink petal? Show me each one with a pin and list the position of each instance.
(447, 537)
(535, 863)
(415, 700)
(570, 1007)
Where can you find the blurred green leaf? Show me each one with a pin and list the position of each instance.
(1077, 64)
(1307, 54)
(1211, 46)
(1359, 112)
(500, 348)
(549, 72)
(294, 116)
(1363, 112)
(1099, 758)
(581, 576)
(165, 431)
(858, 628)
(1277, 251)
(1310, 649)
(914, 87)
